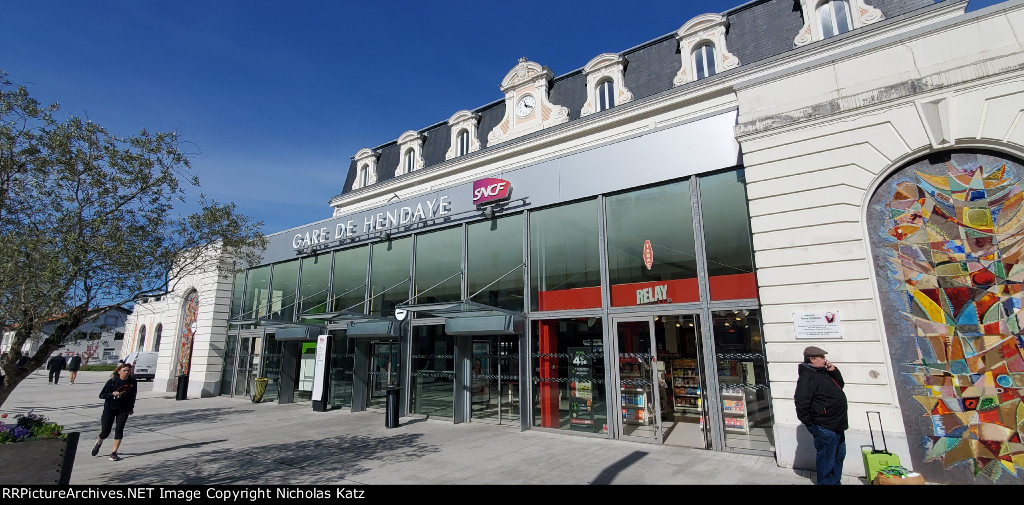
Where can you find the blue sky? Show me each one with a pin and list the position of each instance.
(275, 97)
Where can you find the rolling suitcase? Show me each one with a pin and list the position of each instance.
(875, 459)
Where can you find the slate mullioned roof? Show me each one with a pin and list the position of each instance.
(756, 30)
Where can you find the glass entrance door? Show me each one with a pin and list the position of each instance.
(639, 401)
(661, 383)
(494, 380)
(244, 368)
(677, 339)
(383, 372)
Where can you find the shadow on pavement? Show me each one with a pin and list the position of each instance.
(157, 421)
(608, 474)
(307, 462)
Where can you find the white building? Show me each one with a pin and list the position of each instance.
(97, 341)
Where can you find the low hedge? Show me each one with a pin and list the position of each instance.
(99, 368)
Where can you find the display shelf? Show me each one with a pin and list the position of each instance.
(739, 408)
(636, 404)
(686, 394)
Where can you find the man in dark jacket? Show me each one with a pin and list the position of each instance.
(821, 406)
(57, 363)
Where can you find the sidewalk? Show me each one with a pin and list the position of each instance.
(222, 440)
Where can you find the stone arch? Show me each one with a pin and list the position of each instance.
(188, 315)
(946, 232)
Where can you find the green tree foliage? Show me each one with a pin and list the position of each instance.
(89, 220)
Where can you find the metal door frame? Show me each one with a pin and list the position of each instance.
(614, 392)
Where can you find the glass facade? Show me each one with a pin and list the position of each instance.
(339, 394)
(432, 384)
(439, 266)
(282, 290)
(743, 379)
(569, 375)
(257, 293)
(495, 262)
(237, 290)
(651, 252)
(315, 285)
(728, 245)
(389, 275)
(656, 326)
(348, 286)
(565, 266)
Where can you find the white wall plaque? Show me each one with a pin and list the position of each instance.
(817, 325)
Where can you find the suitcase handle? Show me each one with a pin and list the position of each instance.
(885, 448)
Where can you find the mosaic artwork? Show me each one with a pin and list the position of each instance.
(189, 314)
(955, 232)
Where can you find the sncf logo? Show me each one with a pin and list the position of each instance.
(491, 190)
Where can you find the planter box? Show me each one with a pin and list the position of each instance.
(38, 461)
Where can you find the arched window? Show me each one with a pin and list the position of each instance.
(364, 176)
(189, 315)
(142, 338)
(834, 16)
(156, 337)
(605, 95)
(463, 142)
(409, 160)
(704, 61)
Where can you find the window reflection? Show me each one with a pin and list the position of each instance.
(743, 379)
(565, 265)
(439, 266)
(727, 242)
(282, 299)
(348, 288)
(569, 393)
(651, 226)
(495, 262)
(389, 275)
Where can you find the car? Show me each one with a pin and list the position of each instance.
(144, 364)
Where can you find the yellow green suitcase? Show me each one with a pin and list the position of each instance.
(876, 459)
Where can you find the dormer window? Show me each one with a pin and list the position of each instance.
(366, 168)
(702, 49)
(463, 139)
(364, 176)
(605, 84)
(605, 95)
(410, 144)
(407, 160)
(834, 17)
(704, 61)
(463, 126)
(824, 19)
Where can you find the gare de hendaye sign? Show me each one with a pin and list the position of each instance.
(375, 222)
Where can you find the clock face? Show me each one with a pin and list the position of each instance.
(525, 105)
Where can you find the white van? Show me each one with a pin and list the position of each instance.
(143, 363)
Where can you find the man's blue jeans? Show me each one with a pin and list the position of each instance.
(830, 448)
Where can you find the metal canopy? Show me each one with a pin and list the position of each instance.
(283, 330)
(343, 316)
(471, 318)
(464, 308)
(358, 324)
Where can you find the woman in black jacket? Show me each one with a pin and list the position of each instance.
(119, 393)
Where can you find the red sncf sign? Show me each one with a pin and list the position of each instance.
(490, 190)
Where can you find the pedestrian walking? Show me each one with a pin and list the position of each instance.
(119, 402)
(821, 407)
(56, 363)
(74, 364)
